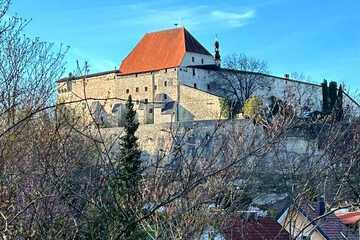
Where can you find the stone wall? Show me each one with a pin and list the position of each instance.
(188, 87)
(197, 105)
(143, 88)
(97, 87)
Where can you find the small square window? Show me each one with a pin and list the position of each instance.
(127, 90)
(165, 83)
(137, 89)
(193, 59)
(145, 89)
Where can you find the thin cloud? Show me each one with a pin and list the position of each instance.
(232, 18)
(193, 17)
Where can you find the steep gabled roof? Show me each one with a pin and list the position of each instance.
(160, 50)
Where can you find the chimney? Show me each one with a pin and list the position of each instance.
(251, 216)
(321, 206)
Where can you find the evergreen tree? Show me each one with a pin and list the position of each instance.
(325, 96)
(332, 95)
(130, 164)
(121, 205)
(129, 172)
(339, 104)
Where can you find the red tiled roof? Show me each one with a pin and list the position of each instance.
(265, 228)
(330, 226)
(160, 50)
(349, 217)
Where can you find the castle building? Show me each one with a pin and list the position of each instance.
(170, 77)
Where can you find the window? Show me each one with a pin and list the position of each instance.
(165, 83)
(193, 59)
(202, 61)
(193, 71)
(146, 101)
(155, 87)
(208, 87)
(195, 86)
(150, 110)
(165, 70)
(127, 90)
(137, 89)
(136, 75)
(137, 101)
(165, 96)
(145, 89)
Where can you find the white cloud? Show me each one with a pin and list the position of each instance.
(232, 18)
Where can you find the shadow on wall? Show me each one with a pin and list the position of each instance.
(185, 115)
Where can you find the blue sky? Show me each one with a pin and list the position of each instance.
(316, 37)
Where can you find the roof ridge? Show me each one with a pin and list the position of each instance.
(167, 30)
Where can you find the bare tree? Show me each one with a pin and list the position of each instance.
(240, 78)
(56, 177)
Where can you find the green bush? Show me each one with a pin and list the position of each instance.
(225, 108)
(252, 107)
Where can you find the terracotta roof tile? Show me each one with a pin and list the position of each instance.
(330, 226)
(349, 217)
(160, 50)
(265, 228)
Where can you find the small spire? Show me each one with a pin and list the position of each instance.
(217, 52)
